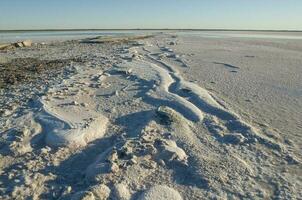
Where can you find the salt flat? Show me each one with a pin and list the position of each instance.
(172, 115)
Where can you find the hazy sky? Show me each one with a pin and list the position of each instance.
(227, 14)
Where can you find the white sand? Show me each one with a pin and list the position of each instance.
(171, 117)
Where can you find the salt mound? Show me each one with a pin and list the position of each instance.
(160, 192)
(169, 115)
(78, 136)
(169, 151)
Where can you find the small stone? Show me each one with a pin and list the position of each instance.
(18, 44)
(161, 162)
(129, 71)
(10, 176)
(133, 160)
(17, 181)
(27, 43)
(68, 189)
(147, 138)
(74, 103)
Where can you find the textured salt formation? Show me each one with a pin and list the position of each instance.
(68, 113)
(204, 104)
(171, 115)
(161, 127)
(29, 129)
(169, 151)
(61, 133)
(162, 91)
(101, 166)
(73, 125)
(197, 95)
(135, 160)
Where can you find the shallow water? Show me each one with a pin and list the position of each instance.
(45, 36)
(245, 34)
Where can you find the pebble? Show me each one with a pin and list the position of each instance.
(17, 181)
(74, 103)
(129, 71)
(147, 139)
(161, 162)
(68, 189)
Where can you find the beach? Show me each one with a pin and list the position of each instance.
(152, 115)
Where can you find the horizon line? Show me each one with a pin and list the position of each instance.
(147, 29)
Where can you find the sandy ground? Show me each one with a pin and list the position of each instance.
(173, 116)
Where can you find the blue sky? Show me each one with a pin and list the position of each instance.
(206, 14)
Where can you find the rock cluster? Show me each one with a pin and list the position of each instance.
(25, 43)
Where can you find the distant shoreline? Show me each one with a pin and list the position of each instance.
(48, 30)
